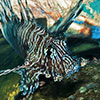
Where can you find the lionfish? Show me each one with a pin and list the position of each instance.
(43, 53)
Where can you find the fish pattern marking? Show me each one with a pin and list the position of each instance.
(43, 54)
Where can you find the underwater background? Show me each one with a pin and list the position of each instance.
(84, 42)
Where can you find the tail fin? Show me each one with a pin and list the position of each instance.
(28, 13)
(7, 13)
(27, 10)
(3, 13)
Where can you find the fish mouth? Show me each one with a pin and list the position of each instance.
(80, 63)
(83, 62)
(76, 66)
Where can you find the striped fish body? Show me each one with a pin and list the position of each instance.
(32, 41)
(43, 54)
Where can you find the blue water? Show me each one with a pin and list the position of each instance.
(95, 32)
(95, 6)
